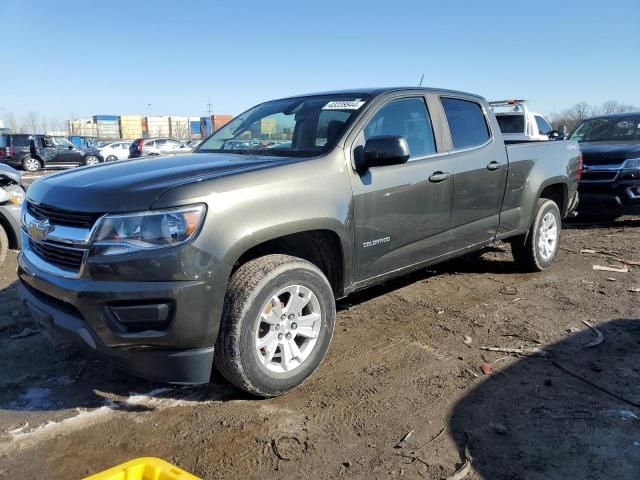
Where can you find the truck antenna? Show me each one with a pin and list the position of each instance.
(421, 79)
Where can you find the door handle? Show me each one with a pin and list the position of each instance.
(438, 177)
(494, 165)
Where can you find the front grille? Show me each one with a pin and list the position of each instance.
(64, 217)
(68, 258)
(599, 176)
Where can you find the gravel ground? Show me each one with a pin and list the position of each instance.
(406, 361)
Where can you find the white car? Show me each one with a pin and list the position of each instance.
(113, 151)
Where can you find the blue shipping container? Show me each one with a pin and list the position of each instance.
(110, 118)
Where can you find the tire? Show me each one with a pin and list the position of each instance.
(31, 164)
(532, 255)
(91, 160)
(4, 245)
(249, 301)
(111, 158)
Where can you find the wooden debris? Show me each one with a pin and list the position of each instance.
(595, 385)
(520, 351)
(607, 268)
(404, 439)
(599, 337)
(465, 469)
(444, 429)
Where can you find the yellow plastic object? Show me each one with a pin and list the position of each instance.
(144, 468)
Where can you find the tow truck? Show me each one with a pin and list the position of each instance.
(519, 124)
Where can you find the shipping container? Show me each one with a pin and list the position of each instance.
(131, 126)
(219, 121)
(84, 127)
(106, 118)
(159, 126)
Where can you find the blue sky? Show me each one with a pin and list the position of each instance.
(116, 57)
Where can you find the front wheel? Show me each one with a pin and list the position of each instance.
(111, 158)
(91, 160)
(31, 164)
(277, 325)
(539, 250)
(4, 245)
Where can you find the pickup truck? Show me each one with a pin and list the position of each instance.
(610, 186)
(234, 257)
(519, 124)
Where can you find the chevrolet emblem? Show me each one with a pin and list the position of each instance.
(39, 230)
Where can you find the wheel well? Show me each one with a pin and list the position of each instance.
(320, 247)
(557, 193)
(11, 235)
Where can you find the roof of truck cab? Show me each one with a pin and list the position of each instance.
(374, 92)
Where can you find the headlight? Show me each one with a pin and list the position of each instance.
(16, 194)
(127, 233)
(632, 163)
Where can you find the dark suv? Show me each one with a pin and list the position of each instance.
(34, 152)
(610, 185)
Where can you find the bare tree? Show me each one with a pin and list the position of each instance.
(32, 122)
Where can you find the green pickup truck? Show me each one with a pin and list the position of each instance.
(230, 259)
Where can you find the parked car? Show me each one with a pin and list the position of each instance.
(12, 196)
(237, 256)
(117, 150)
(33, 152)
(519, 124)
(145, 147)
(610, 186)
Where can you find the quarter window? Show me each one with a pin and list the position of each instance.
(467, 123)
(543, 127)
(406, 118)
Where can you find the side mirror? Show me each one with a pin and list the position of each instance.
(70, 147)
(562, 130)
(381, 151)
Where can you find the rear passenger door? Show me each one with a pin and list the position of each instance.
(402, 213)
(480, 166)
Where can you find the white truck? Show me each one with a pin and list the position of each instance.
(519, 124)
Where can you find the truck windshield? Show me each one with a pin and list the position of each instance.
(302, 126)
(513, 123)
(608, 129)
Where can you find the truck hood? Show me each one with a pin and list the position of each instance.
(133, 185)
(608, 153)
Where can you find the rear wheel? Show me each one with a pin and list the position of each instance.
(277, 325)
(111, 158)
(539, 250)
(4, 245)
(91, 160)
(31, 164)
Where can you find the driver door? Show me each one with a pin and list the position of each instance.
(402, 212)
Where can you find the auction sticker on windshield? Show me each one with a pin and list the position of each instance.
(344, 104)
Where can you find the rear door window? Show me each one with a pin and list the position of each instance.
(467, 123)
(20, 140)
(406, 118)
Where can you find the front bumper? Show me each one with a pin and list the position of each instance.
(619, 198)
(176, 349)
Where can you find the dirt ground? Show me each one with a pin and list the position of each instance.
(405, 359)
